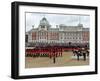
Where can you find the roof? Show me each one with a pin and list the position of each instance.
(44, 22)
(85, 29)
(53, 29)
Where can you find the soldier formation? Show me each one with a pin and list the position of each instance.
(51, 52)
(55, 51)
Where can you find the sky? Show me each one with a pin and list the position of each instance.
(56, 19)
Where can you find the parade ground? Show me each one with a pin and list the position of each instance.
(67, 59)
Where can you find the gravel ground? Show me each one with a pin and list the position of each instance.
(66, 60)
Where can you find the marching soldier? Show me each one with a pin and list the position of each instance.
(54, 58)
(78, 55)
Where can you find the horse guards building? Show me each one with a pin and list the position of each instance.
(45, 34)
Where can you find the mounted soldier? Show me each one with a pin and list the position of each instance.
(84, 53)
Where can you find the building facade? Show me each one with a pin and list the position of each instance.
(61, 34)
